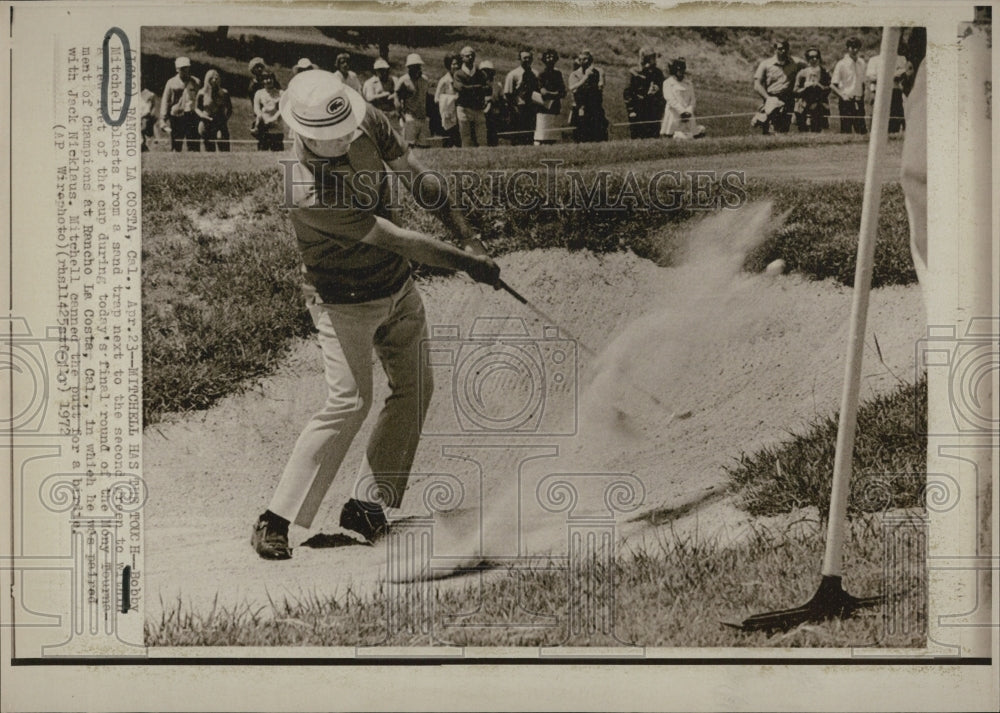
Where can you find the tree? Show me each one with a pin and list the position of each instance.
(382, 37)
(221, 35)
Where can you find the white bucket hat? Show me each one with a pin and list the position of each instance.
(412, 59)
(318, 105)
(181, 62)
(486, 64)
(380, 64)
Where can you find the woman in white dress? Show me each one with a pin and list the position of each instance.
(678, 117)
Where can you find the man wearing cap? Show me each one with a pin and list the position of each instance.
(848, 82)
(472, 89)
(644, 96)
(177, 106)
(412, 93)
(519, 84)
(774, 82)
(378, 89)
(495, 107)
(343, 64)
(356, 265)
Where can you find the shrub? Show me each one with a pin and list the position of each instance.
(889, 466)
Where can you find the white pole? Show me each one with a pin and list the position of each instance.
(833, 559)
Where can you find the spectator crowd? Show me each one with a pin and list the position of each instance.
(471, 106)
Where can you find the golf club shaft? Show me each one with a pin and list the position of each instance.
(583, 347)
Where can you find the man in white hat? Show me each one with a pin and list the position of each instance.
(495, 108)
(360, 295)
(177, 106)
(412, 93)
(303, 65)
(470, 104)
(378, 89)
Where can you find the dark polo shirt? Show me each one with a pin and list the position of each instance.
(334, 205)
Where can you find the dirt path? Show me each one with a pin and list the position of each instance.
(735, 362)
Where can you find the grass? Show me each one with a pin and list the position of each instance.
(221, 290)
(674, 595)
(889, 466)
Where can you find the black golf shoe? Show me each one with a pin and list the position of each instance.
(367, 519)
(270, 539)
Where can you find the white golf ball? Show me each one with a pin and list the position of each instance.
(776, 268)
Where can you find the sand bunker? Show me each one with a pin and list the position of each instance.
(529, 434)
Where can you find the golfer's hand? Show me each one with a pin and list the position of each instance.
(481, 268)
(474, 245)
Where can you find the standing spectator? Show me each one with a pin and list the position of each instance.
(148, 120)
(900, 78)
(378, 90)
(303, 65)
(518, 87)
(548, 98)
(587, 86)
(774, 82)
(812, 89)
(270, 135)
(644, 96)
(678, 116)
(412, 90)
(214, 107)
(496, 106)
(444, 97)
(177, 106)
(258, 69)
(343, 64)
(471, 87)
(848, 82)
(571, 100)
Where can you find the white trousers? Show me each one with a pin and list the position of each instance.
(394, 326)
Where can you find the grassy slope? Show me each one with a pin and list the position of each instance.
(676, 595)
(720, 60)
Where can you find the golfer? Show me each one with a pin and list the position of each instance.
(361, 297)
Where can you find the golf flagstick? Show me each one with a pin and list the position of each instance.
(830, 599)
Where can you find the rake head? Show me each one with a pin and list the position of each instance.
(829, 602)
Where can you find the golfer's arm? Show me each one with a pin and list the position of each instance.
(417, 246)
(433, 193)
